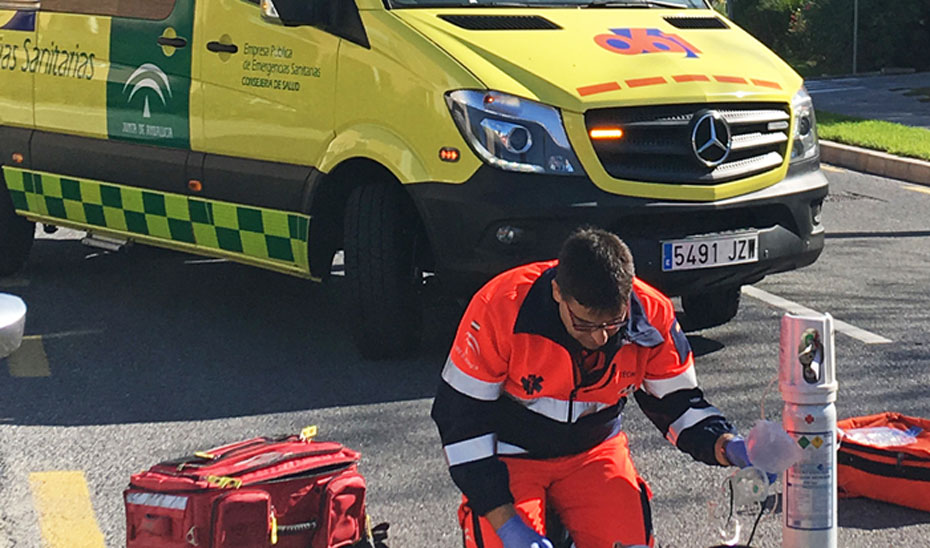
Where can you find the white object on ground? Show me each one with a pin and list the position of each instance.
(881, 436)
(12, 323)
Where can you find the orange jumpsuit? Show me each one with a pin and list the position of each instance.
(528, 416)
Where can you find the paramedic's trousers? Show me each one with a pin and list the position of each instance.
(598, 496)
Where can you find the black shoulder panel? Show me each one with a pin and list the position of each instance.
(347, 23)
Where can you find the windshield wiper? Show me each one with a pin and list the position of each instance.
(634, 4)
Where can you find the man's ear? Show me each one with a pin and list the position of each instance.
(556, 292)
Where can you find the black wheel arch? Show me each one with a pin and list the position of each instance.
(327, 205)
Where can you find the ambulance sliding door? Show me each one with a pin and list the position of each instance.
(17, 35)
(69, 61)
(117, 69)
(113, 91)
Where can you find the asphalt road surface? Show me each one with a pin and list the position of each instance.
(901, 98)
(144, 355)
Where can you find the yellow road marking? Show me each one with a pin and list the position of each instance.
(29, 360)
(828, 167)
(14, 282)
(922, 189)
(66, 517)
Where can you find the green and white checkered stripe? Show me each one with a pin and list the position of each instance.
(271, 238)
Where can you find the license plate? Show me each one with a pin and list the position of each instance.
(710, 251)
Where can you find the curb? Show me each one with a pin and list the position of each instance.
(876, 163)
(888, 71)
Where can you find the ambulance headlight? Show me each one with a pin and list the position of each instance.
(512, 133)
(804, 139)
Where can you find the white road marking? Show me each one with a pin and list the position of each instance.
(778, 302)
(72, 333)
(832, 90)
(206, 261)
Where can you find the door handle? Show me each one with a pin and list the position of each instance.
(219, 47)
(176, 42)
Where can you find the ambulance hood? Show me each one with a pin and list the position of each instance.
(577, 59)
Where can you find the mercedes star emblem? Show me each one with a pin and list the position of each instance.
(710, 138)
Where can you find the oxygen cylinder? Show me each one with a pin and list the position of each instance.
(807, 380)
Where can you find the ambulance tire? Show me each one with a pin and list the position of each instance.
(382, 278)
(710, 309)
(16, 235)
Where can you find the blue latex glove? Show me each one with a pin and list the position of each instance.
(737, 454)
(515, 533)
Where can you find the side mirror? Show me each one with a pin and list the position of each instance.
(269, 12)
(339, 17)
(19, 5)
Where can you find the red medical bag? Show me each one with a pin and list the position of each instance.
(287, 492)
(886, 457)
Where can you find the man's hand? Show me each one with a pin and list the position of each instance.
(737, 454)
(515, 533)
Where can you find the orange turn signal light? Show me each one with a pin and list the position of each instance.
(194, 185)
(449, 154)
(17, 158)
(606, 133)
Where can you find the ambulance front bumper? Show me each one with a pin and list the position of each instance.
(498, 220)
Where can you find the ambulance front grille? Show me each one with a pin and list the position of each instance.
(657, 147)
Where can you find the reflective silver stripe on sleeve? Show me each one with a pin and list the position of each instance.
(557, 409)
(157, 500)
(504, 448)
(468, 385)
(688, 419)
(471, 450)
(662, 387)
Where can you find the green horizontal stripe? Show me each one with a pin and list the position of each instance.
(265, 234)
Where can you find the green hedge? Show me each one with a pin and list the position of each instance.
(816, 36)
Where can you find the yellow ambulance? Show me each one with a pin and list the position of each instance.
(428, 139)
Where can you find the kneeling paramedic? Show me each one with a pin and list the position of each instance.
(530, 405)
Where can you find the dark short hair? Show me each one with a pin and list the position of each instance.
(595, 269)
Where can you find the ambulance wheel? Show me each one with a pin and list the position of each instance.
(382, 277)
(711, 308)
(16, 235)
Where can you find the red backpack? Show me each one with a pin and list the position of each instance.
(287, 492)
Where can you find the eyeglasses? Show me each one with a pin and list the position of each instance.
(587, 327)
